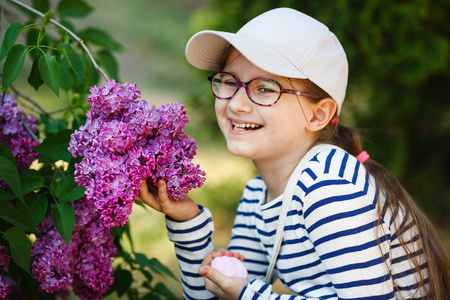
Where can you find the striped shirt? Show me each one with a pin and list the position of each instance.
(330, 248)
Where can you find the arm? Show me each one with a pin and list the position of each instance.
(190, 228)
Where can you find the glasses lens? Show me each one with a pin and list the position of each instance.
(224, 85)
(264, 92)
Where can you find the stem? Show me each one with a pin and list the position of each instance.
(75, 37)
(17, 93)
(25, 124)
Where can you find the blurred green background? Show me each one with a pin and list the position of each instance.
(398, 94)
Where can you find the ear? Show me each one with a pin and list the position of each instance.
(321, 113)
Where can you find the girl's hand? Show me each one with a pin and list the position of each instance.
(181, 210)
(220, 285)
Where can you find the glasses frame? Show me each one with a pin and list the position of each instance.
(246, 85)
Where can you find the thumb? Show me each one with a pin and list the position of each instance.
(211, 273)
(162, 194)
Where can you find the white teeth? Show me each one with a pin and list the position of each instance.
(242, 126)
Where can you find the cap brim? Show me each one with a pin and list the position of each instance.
(206, 51)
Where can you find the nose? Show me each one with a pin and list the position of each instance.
(240, 101)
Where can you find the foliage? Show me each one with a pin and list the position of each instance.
(46, 196)
(398, 53)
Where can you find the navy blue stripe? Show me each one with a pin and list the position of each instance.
(192, 249)
(245, 237)
(343, 165)
(354, 248)
(195, 241)
(254, 189)
(189, 261)
(333, 199)
(189, 230)
(310, 173)
(240, 248)
(325, 183)
(363, 282)
(355, 172)
(359, 265)
(342, 233)
(315, 287)
(301, 267)
(405, 257)
(297, 254)
(340, 216)
(328, 161)
(312, 277)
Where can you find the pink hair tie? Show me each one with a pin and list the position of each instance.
(362, 157)
(335, 120)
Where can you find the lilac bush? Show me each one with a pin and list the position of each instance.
(125, 141)
(14, 135)
(84, 264)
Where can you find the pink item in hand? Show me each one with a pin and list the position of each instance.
(229, 266)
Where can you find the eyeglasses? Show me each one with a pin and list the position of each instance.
(261, 91)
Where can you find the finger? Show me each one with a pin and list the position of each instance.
(211, 274)
(146, 197)
(162, 194)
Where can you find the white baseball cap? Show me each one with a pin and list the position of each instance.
(282, 41)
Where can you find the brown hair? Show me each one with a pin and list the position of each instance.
(435, 270)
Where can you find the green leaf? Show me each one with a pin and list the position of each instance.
(38, 209)
(9, 173)
(35, 79)
(70, 190)
(66, 75)
(106, 59)
(31, 180)
(6, 196)
(142, 260)
(13, 65)
(99, 37)
(161, 289)
(75, 61)
(6, 152)
(74, 8)
(159, 268)
(64, 219)
(55, 146)
(20, 247)
(11, 35)
(122, 281)
(11, 214)
(50, 72)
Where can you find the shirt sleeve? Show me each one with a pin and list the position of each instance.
(341, 219)
(192, 240)
(245, 240)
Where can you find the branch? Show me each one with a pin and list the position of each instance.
(25, 124)
(17, 93)
(75, 37)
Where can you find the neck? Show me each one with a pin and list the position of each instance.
(276, 173)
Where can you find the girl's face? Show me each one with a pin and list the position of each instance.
(270, 133)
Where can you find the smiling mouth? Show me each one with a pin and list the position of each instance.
(245, 126)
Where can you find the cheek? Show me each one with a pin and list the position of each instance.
(220, 108)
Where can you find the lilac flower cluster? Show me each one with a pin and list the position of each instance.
(14, 135)
(5, 259)
(84, 264)
(125, 141)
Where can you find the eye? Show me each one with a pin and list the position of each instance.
(230, 83)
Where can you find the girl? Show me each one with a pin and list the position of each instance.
(322, 217)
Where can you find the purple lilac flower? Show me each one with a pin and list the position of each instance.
(14, 135)
(4, 287)
(5, 259)
(84, 264)
(125, 141)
